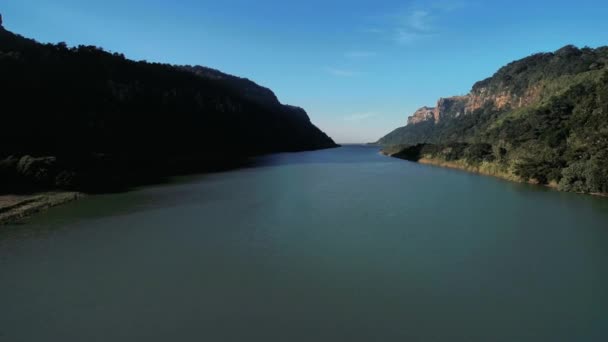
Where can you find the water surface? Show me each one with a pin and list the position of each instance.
(336, 245)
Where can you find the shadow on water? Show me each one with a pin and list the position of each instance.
(175, 191)
(168, 191)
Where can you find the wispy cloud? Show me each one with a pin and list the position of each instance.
(415, 25)
(358, 117)
(342, 72)
(406, 37)
(360, 54)
(420, 22)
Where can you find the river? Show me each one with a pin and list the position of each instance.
(334, 245)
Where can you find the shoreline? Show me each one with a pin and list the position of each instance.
(14, 208)
(477, 171)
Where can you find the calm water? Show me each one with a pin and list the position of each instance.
(338, 245)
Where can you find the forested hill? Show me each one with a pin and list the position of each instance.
(542, 119)
(87, 119)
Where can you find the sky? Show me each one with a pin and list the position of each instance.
(358, 67)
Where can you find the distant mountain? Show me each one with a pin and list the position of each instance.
(542, 119)
(82, 118)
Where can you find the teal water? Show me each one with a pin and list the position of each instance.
(336, 245)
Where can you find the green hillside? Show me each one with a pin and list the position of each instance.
(86, 119)
(542, 119)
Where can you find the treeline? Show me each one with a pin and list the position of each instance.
(100, 116)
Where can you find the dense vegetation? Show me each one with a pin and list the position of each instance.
(560, 138)
(87, 119)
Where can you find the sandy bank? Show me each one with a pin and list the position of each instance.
(17, 207)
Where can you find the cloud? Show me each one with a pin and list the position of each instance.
(360, 54)
(342, 72)
(414, 25)
(420, 22)
(407, 37)
(358, 117)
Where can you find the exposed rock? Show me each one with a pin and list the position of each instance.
(422, 115)
(446, 107)
(502, 99)
(450, 107)
(456, 106)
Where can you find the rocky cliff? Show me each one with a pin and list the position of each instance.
(520, 84)
(84, 119)
(455, 106)
(542, 119)
(422, 115)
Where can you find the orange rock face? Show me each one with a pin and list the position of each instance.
(421, 115)
(453, 107)
(502, 99)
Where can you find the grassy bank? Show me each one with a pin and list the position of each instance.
(484, 168)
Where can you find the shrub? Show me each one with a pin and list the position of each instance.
(585, 176)
(478, 153)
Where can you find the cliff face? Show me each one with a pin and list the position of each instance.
(502, 99)
(81, 117)
(542, 119)
(451, 107)
(522, 83)
(422, 115)
(456, 106)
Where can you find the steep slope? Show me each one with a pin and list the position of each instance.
(82, 118)
(542, 119)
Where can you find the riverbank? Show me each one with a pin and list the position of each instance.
(483, 169)
(14, 208)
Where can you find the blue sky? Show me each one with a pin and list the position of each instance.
(358, 67)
